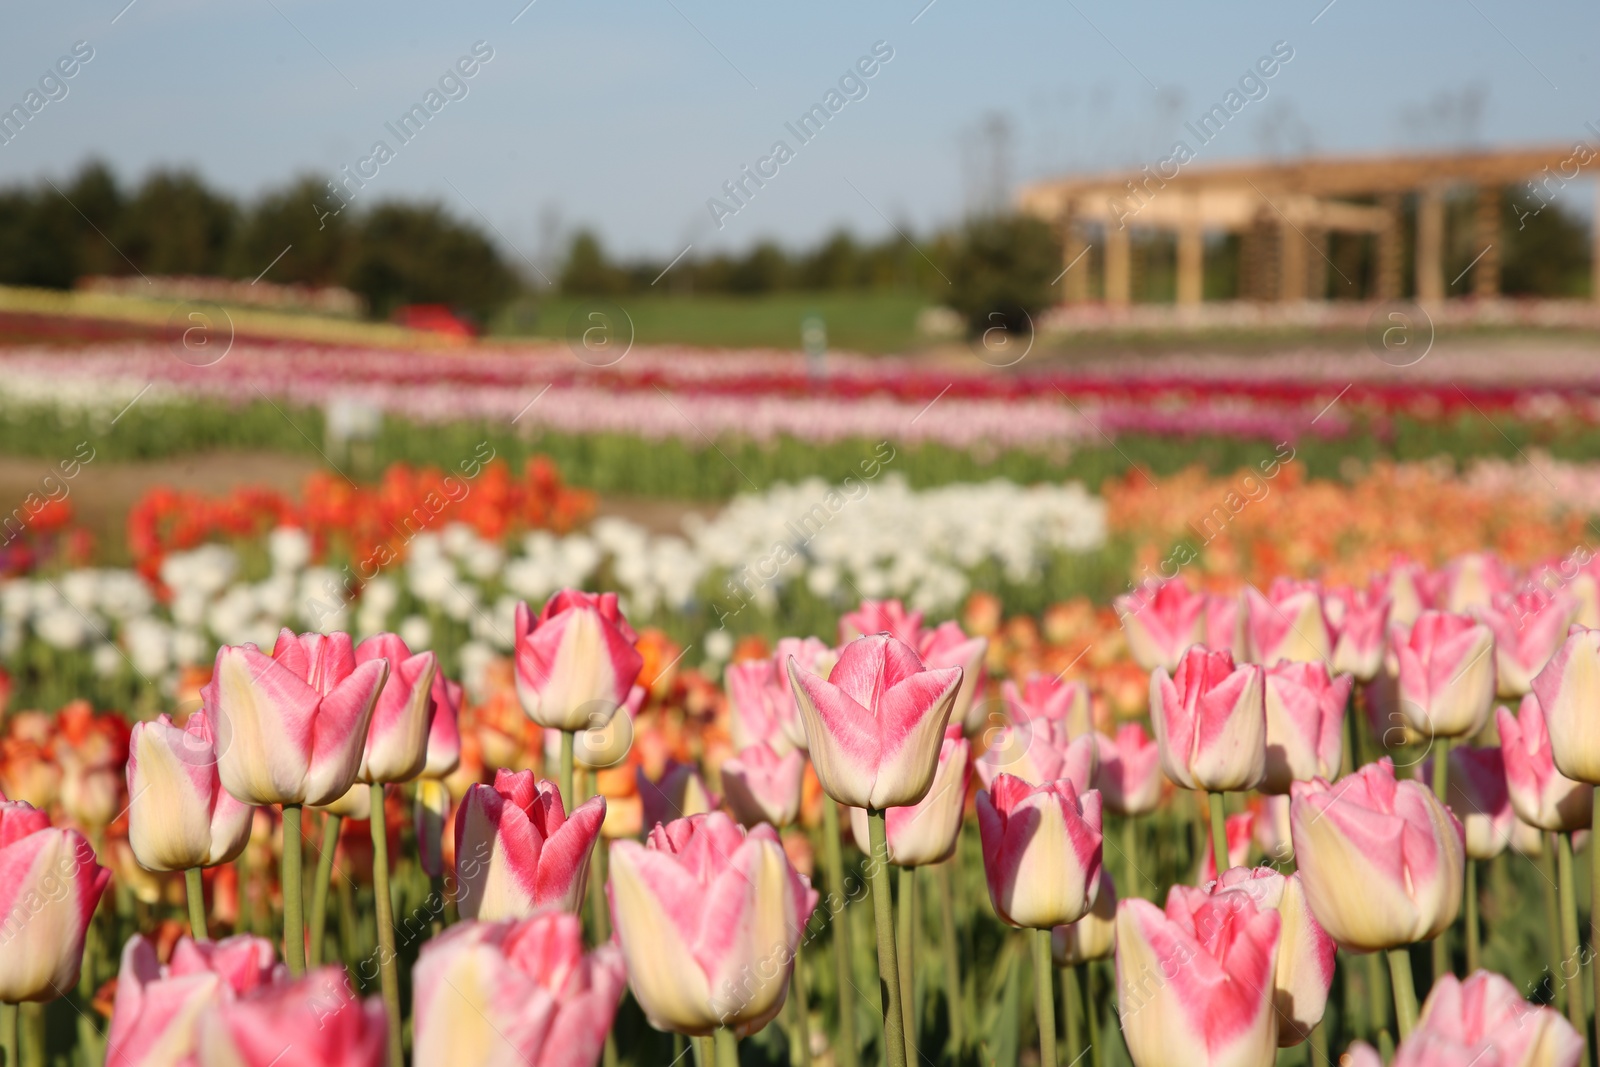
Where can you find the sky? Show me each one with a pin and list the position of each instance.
(628, 117)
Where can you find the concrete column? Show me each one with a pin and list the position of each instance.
(1430, 245)
(1118, 267)
(1075, 282)
(1486, 230)
(1291, 264)
(1390, 250)
(1191, 263)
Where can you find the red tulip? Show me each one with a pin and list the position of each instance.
(947, 646)
(517, 850)
(1038, 751)
(1041, 851)
(575, 663)
(881, 617)
(1225, 616)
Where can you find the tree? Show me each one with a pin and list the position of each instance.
(319, 242)
(1003, 271)
(417, 254)
(175, 225)
(587, 271)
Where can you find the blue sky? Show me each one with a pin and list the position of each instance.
(629, 116)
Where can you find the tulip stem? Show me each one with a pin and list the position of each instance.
(1071, 1028)
(727, 1044)
(1219, 834)
(1130, 854)
(1405, 990)
(1570, 954)
(801, 1038)
(599, 872)
(9, 1032)
(1594, 902)
(195, 890)
(1472, 915)
(383, 907)
(894, 1039)
(951, 951)
(905, 938)
(1044, 998)
(319, 886)
(845, 1052)
(567, 796)
(294, 926)
(1441, 767)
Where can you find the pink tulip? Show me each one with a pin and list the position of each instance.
(882, 617)
(179, 816)
(946, 646)
(315, 1021)
(1358, 622)
(1038, 752)
(444, 736)
(1225, 618)
(1568, 689)
(518, 852)
(155, 1017)
(1447, 675)
(1046, 696)
(1240, 831)
(1210, 720)
(575, 663)
(402, 718)
(1305, 724)
(430, 815)
(758, 701)
(50, 885)
(1272, 833)
(1477, 795)
(760, 786)
(1392, 839)
(1528, 628)
(1130, 771)
(680, 793)
(1286, 624)
(1471, 581)
(516, 992)
(709, 917)
(1093, 937)
(1408, 587)
(1539, 793)
(1195, 983)
(875, 725)
(927, 831)
(1041, 851)
(291, 728)
(1161, 625)
(1484, 1021)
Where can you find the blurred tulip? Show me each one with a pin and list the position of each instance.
(1225, 617)
(402, 717)
(50, 885)
(518, 852)
(1038, 752)
(179, 816)
(881, 617)
(927, 831)
(1447, 675)
(291, 728)
(444, 735)
(1041, 851)
(1271, 831)
(1093, 937)
(600, 747)
(1403, 849)
(1195, 983)
(759, 702)
(946, 646)
(1479, 798)
(1305, 724)
(1470, 581)
(155, 1018)
(1161, 625)
(315, 1021)
(517, 992)
(1047, 697)
(356, 803)
(1568, 689)
(760, 786)
(575, 662)
(680, 793)
(1539, 793)
(1130, 771)
(1240, 832)
(709, 918)
(431, 816)
(1286, 624)
(875, 725)
(1408, 587)
(1210, 722)
(1528, 628)
(1484, 1020)
(1358, 621)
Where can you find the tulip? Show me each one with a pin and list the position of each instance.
(758, 703)
(1447, 682)
(1478, 792)
(1037, 751)
(516, 992)
(1470, 581)
(1130, 777)
(1094, 936)
(1272, 833)
(50, 885)
(1304, 972)
(761, 786)
(1225, 617)
(1195, 983)
(1358, 621)
(315, 1021)
(1047, 697)
(882, 617)
(1305, 724)
(1408, 587)
(926, 833)
(444, 735)
(1528, 628)
(1161, 626)
(1568, 689)
(155, 1017)
(947, 646)
(402, 717)
(681, 792)
(709, 917)
(1484, 1020)
(1041, 850)
(1539, 793)
(1240, 831)
(1286, 624)
(517, 850)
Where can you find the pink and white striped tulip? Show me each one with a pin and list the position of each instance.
(1093, 937)
(927, 831)
(1305, 724)
(874, 726)
(515, 993)
(1568, 689)
(1286, 624)
(402, 717)
(680, 793)
(1358, 622)
(1048, 697)
(1210, 721)
(1408, 587)
(709, 917)
(444, 736)
(947, 646)
(291, 728)
(575, 662)
(50, 885)
(1130, 771)
(1038, 751)
(517, 850)
(1528, 628)
(760, 700)
(315, 1021)
(1477, 795)
(1447, 675)
(1539, 793)
(882, 617)
(1484, 1020)
(759, 785)
(1240, 831)
(155, 1017)
(1225, 618)
(1272, 833)
(1470, 581)
(1041, 851)
(179, 816)
(1394, 840)
(1195, 982)
(1160, 626)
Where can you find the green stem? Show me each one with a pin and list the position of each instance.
(1377, 1001)
(906, 942)
(9, 1032)
(704, 1054)
(383, 906)
(1405, 990)
(1546, 863)
(951, 951)
(30, 1024)
(894, 1039)
(1130, 854)
(599, 871)
(1071, 1026)
(565, 783)
(1044, 1000)
(800, 1005)
(1319, 1044)
(1473, 944)
(1219, 833)
(1441, 767)
(1570, 955)
(833, 857)
(294, 925)
(1091, 1000)
(195, 890)
(319, 884)
(241, 874)
(727, 1044)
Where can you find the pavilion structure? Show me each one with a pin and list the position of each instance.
(1285, 211)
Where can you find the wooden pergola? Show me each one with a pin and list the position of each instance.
(1285, 211)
